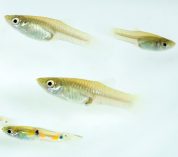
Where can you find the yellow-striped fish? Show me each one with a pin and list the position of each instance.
(144, 40)
(84, 91)
(44, 28)
(31, 133)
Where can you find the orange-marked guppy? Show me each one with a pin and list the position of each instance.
(144, 40)
(84, 91)
(47, 29)
(32, 133)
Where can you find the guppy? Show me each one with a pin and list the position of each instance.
(84, 91)
(144, 40)
(46, 29)
(32, 133)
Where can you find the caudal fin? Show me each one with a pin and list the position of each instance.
(125, 97)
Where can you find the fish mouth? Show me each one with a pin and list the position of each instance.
(173, 43)
(8, 17)
(4, 129)
(40, 81)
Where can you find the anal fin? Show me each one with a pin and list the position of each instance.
(89, 101)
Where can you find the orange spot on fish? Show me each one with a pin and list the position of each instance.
(55, 138)
(42, 136)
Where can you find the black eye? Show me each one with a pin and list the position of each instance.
(15, 21)
(164, 44)
(61, 137)
(9, 131)
(50, 83)
(37, 132)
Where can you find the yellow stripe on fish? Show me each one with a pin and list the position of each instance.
(84, 91)
(44, 28)
(28, 132)
(144, 40)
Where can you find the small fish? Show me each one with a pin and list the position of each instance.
(144, 40)
(83, 91)
(46, 29)
(32, 133)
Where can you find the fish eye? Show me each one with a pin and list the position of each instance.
(164, 44)
(37, 132)
(61, 137)
(16, 21)
(9, 131)
(50, 83)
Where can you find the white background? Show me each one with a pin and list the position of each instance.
(149, 130)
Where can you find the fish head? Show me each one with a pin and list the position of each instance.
(50, 84)
(166, 43)
(155, 43)
(30, 26)
(10, 130)
(16, 21)
(19, 132)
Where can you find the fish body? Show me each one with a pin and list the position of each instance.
(46, 29)
(144, 40)
(83, 91)
(32, 133)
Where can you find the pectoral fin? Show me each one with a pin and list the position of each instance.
(89, 101)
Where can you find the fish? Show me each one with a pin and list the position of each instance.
(144, 40)
(35, 133)
(47, 29)
(84, 91)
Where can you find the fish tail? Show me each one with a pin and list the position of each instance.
(126, 35)
(68, 33)
(120, 97)
(125, 97)
(78, 136)
(72, 136)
